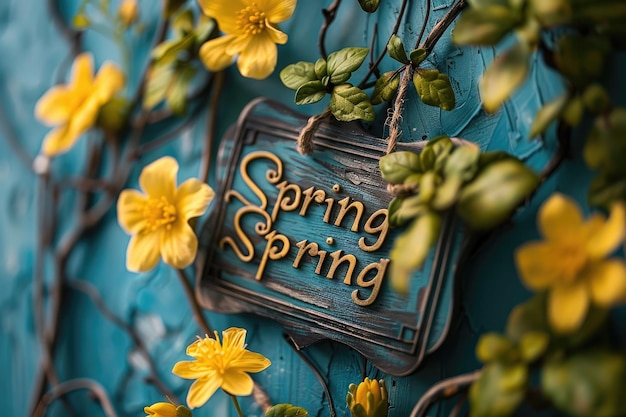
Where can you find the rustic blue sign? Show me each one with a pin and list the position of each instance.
(305, 241)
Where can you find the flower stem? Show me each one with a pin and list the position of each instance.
(234, 398)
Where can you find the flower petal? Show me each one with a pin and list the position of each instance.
(213, 53)
(258, 59)
(605, 239)
(225, 12)
(179, 245)
(143, 252)
(537, 265)
(84, 116)
(110, 80)
(237, 382)
(276, 35)
(202, 389)
(58, 141)
(161, 410)
(277, 10)
(234, 338)
(189, 370)
(567, 307)
(250, 362)
(159, 178)
(560, 219)
(82, 73)
(54, 108)
(130, 211)
(193, 198)
(607, 280)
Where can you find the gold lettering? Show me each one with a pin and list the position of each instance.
(310, 195)
(273, 252)
(383, 227)
(313, 250)
(376, 282)
(329, 209)
(273, 176)
(286, 203)
(345, 207)
(338, 260)
(245, 240)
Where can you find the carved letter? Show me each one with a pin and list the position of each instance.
(313, 249)
(383, 227)
(272, 252)
(376, 282)
(309, 195)
(284, 202)
(337, 260)
(273, 176)
(245, 240)
(345, 207)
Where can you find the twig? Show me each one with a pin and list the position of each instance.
(424, 24)
(437, 32)
(216, 94)
(67, 387)
(12, 139)
(193, 303)
(94, 295)
(329, 17)
(442, 390)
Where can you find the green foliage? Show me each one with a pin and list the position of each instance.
(434, 88)
(369, 6)
(286, 410)
(586, 384)
(182, 411)
(386, 87)
(495, 192)
(499, 390)
(487, 25)
(547, 114)
(312, 81)
(581, 59)
(396, 49)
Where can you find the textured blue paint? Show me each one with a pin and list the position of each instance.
(35, 56)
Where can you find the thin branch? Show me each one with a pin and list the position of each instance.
(437, 32)
(442, 390)
(424, 24)
(216, 94)
(329, 17)
(12, 139)
(68, 387)
(193, 303)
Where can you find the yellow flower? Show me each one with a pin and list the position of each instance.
(571, 263)
(128, 11)
(368, 399)
(220, 365)
(74, 108)
(158, 221)
(166, 410)
(250, 31)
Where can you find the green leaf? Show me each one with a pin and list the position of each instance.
(596, 99)
(177, 94)
(547, 114)
(434, 88)
(581, 59)
(507, 72)
(605, 147)
(396, 49)
(586, 384)
(447, 193)
(397, 166)
(369, 6)
(204, 28)
(349, 103)
(339, 78)
(172, 6)
(169, 51)
(604, 191)
(533, 345)
(295, 75)
(403, 209)
(345, 60)
(320, 68)
(573, 111)
(417, 56)
(499, 390)
(386, 87)
(463, 161)
(286, 410)
(493, 346)
(310, 92)
(495, 193)
(485, 26)
(528, 317)
(552, 12)
(411, 248)
(160, 77)
(182, 24)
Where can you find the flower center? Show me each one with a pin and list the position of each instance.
(159, 212)
(251, 21)
(573, 260)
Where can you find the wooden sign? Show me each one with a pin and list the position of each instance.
(305, 241)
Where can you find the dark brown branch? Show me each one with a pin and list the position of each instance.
(193, 303)
(68, 387)
(442, 390)
(424, 24)
(329, 17)
(211, 126)
(437, 32)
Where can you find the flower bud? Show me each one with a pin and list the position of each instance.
(128, 11)
(81, 21)
(368, 399)
(167, 410)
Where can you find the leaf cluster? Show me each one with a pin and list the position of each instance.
(312, 81)
(173, 64)
(576, 374)
(483, 189)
